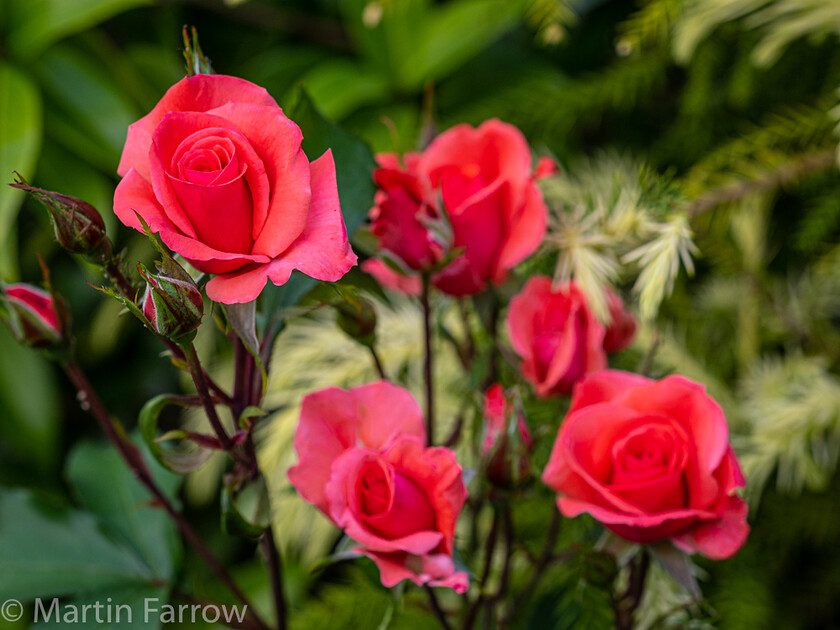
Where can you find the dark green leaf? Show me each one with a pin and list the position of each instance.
(48, 549)
(104, 484)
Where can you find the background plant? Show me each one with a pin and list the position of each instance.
(675, 122)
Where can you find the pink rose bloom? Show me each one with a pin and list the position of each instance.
(650, 460)
(556, 335)
(622, 326)
(363, 462)
(483, 177)
(217, 170)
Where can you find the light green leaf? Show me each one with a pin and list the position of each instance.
(340, 87)
(456, 32)
(20, 139)
(35, 24)
(29, 409)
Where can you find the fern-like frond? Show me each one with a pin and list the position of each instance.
(649, 26)
(792, 406)
(659, 260)
(763, 148)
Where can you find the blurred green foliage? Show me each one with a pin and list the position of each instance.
(724, 109)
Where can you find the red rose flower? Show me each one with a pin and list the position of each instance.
(363, 462)
(217, 170)
(622, 326)
(494, 211)
(556, 335)
(650, 460)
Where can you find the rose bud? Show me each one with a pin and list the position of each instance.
(622, 326)
(77, 225)
(556, 334)
(36, 317)
(501, 440)
(172, 303)
(651, 461)
(357, 318)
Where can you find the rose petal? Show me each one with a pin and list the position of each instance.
(135, 194)
(531, 221)
(276, 139)
(721, 538)
(197, 94)
(322, 251)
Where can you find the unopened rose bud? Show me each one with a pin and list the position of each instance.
(77, 225)
(36, 317)
(358, 319)
(505, 442)
(622, 327)
(172, 302)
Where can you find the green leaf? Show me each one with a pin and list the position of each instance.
(29, 408)
(20, 139)
(48, 549)
(354, 160)
(89, 114)
(341, 86)
(180, 460)
(35, 24)
(457, 32)
(103, 483)
(354, 164)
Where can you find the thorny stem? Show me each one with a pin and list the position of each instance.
(428, 365)
(138, 467)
